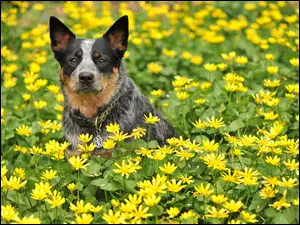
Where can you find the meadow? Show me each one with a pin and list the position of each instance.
(224, 74)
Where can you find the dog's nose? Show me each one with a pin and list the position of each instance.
(86, 78)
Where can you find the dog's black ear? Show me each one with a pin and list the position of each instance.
(117, 35)
(60, 34)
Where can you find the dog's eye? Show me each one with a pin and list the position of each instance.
(73, 60)
(102, 61)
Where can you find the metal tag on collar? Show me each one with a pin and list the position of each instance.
(98, 141)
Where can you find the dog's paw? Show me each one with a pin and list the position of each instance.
(102, 153)
(69, 153)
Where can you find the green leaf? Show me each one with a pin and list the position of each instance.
(258, 203)
(79, 186)
(152, 144)
(286, 216)
(270, 212)
(235, 125)
(104, 184)
(90, 190)
(157, 210)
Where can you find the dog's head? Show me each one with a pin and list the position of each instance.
(88, 66)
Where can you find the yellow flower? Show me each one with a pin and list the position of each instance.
(26, 96)
(184, 154)
(199, 124)
(273, 161)
(113, 128)
(281, 203)
(109, 144)
(272, 69)
(271, 83)
(271, 181)
(151, 119)
(77, 163)
(8, 212)
(86, 148)
(219, 199)
(292, 88)
(186, 179)
(210, 67)
(28, 220)
(186, 55)
(197, 60)
(41, 190)
(96, 209)
(49, 174)
(138, 132)
(85, 137)
(269, 57)
(215, 123)
(215, 161)
(188, 214)
(54, 89)
(210, 145)
(291, 182)
(112, 218)
(267, 192)
(24, 130)
(119, 136)
(39, 104)
(201, 190)
(296, 201)
(157, 93)
(170, 53)
(200, 101)
(294, 62)
(250, 6)
(222, 66)
(270, 115)
(19, 172)
(248, 217)
(234, 222)
(115, 203)
(71, 186)
(182, 95)
(141, 213)
(233, 206)
(15, 183)
(154, 67)
(168, 168)
(248, 177)
(126, 169)
(214, 213)
(229, 56)
(205, 85)
(134, 199)
(173, 186)
(57, 199)
(241, 60)
(292, 165)
(83, 219)
(80, 207)
(173, 211)
(152, 200)
(38, 6)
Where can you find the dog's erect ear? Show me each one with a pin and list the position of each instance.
(117, 35)
(60, 34)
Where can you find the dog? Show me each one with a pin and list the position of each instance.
(95, 85)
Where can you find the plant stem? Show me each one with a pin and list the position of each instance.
(28, 198)
(105, 194)
(77, 183)
(56, 217)
(124, 183)
(149, 131)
